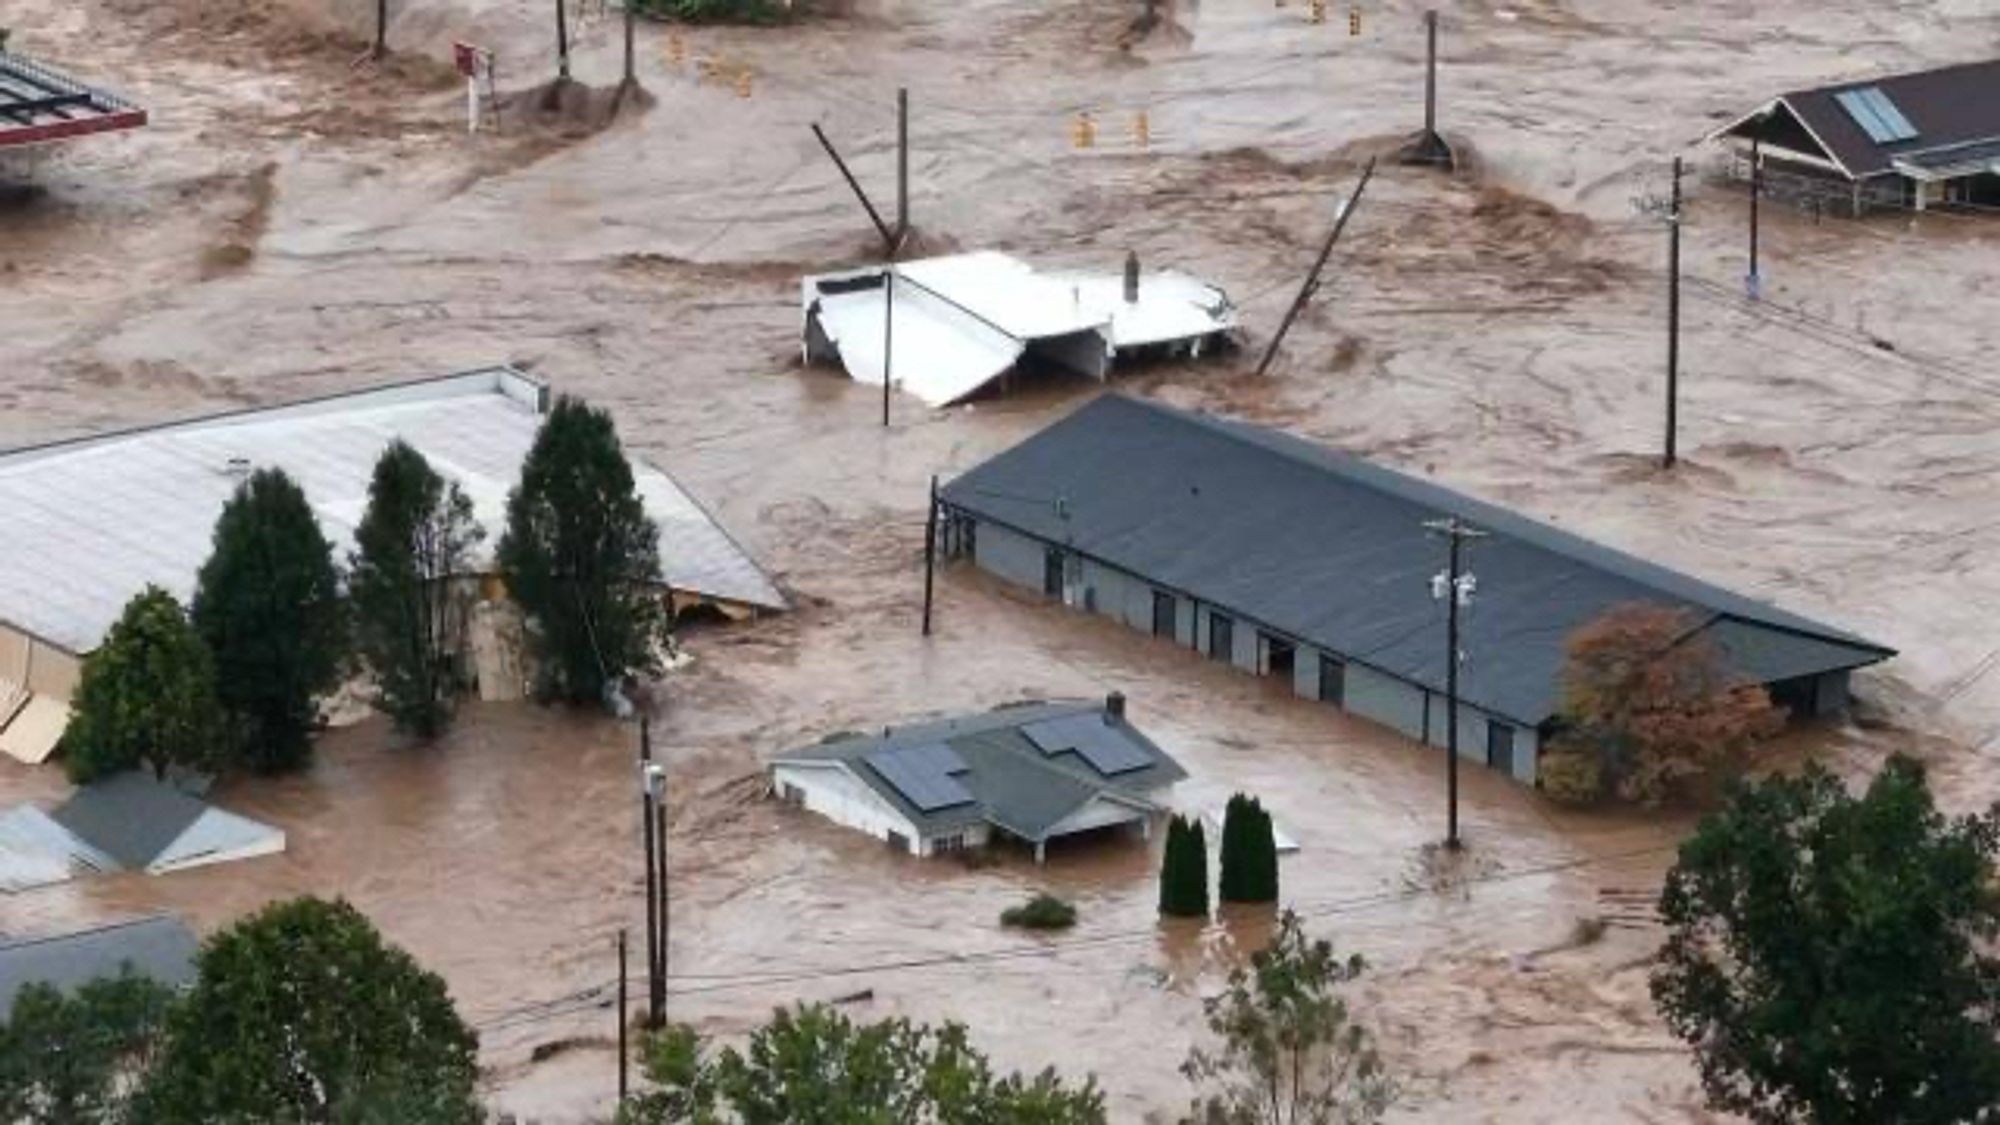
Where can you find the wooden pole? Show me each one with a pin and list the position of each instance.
(631, 66)
(624, 1021)
(902, 165)
(666, 895)
(1312, 279)
(1756, 278)
(381, 28)
(655, 987)
(930, 553)
(562, 42)
(1673, 320)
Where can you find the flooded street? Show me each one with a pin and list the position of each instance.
(292, 225)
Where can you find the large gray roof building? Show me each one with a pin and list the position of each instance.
(1034, 771)
(1289, 558)
(161, 947)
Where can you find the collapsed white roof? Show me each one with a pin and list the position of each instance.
(963, 320)
(90, 522)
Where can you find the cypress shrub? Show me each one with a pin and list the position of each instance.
(1184, 870)
(1249, 852)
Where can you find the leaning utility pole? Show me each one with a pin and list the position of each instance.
(562, 42)
(892, 241)
(1311, 285)
(1455, 586)
(1673, 318)
(1754, 281)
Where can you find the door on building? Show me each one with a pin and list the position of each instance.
(1221, 638)
(898, 842)
(1052, 572)
(1500, 747)
(1275, 655)
(1164, 615)
(1332, 681)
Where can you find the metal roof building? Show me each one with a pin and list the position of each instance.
(160, 947)
(130, 822)
(39, 104)
(1034, 772)
(1930, 136)
(92, 521)
(1291, 559)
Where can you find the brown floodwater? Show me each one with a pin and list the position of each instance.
(291, 225)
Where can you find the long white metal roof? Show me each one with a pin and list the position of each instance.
(88, 523)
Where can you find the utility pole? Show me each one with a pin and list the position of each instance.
(381, 29)
(1673, 319)
(1455, 587)
(896, 244)
(562, 42)
(930, 553)
(624, 1055)
(1428, 147)
(1754, 282)
(1311, 285)
(655, 987)
(658, 776)
(631, 18)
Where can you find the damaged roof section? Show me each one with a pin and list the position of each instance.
(962, 321)
(39, 104)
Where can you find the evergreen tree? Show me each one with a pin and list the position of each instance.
(1249, 852)
(147, 696)
(582, 558)
(416, 537)
(1184, 870)
(64, 1055)
(268, 604)
(303, 1013)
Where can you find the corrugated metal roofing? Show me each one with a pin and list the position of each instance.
(1014, 784)
(1332, 550)
(92, 521)
(39, 104)
(162, 948)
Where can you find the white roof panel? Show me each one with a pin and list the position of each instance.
(92, 521)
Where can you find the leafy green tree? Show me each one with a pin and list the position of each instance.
(147, 696)
(1184, 870)
(814, 1066)
(303, 1013)
(582, 558)
(1831, 958)
(1291, 1053)
(69, 1058)
(1249, 859)
(268, 603)
(416, 537)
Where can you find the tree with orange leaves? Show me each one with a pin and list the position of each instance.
(1650, 709)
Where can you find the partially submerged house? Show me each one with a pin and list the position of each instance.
(1912, 140)
(130, 822)
(91, 521)
(963, 321)
(1291, 560)
(1030, 772)
(40, 104)
(161, 948)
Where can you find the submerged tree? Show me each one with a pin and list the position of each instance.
(582, 558)
(147, 696)
(268, 604)
(1650, 709)
(1290, 1052)
(814, 1066)
(416, 537)
(1184, 870)
(71, 1057)
(1831, 958)
(303, 1013)
(1249, 859)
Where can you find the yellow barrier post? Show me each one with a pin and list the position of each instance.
(743, 80)
(1316, 11)
(1083, 133)
(1142, 130)
(1353, 21)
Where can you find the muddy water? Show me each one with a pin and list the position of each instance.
(1502, 332)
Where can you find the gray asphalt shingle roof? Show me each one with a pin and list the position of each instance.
(1014, 784)
(161, 947)
(1329, 549)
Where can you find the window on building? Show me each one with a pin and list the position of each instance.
(1164, 614)
(1333, 681)
(792, 795)
(1221, 637)
(945, 845)
(1500, 747)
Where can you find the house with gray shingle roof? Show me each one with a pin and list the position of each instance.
(1033, 772)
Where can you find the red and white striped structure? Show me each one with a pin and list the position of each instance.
(39, 104)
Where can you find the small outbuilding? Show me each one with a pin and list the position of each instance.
(1916, 140)
(1033, 772)
(160, 947)
(962, 321)
(130, 822)
(1287, 559)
